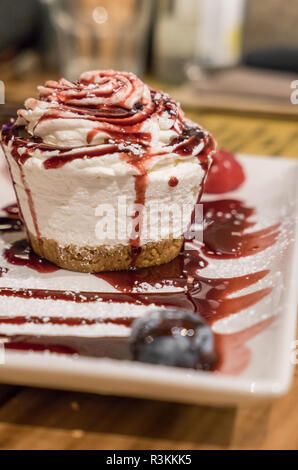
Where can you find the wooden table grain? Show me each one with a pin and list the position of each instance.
(36, 419)
(32, 418)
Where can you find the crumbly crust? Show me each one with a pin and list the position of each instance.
(100, 258)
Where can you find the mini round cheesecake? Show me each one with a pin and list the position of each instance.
(106, 171)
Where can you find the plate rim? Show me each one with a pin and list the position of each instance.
(195, 385)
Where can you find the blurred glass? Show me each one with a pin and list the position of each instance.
(174, 38)
(101, 34)
(194, 35)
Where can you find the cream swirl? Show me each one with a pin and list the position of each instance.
(107, 112)
(101, 104)
(97, 88)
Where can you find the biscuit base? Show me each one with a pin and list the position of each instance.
(100, 258)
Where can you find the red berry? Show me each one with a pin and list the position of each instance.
(225, 174)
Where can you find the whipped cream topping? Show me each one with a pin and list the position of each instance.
(101, 102)
(105, 106)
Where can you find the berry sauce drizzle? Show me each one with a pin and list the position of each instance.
(224, 224)
(173, 181)
(12, 210)
(210, 297)
(21, 254)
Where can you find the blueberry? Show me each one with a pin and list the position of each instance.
(173, 337)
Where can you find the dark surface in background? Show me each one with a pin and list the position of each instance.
(270, 24)
(23, 24)
(282, 59)
(19, 23)
(6, 113)
(151, 31)
(270, 38)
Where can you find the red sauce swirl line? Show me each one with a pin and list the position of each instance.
(234, 355)
(30, 203)
(208, 297)
(105, 83)
(102, 115)
(67, 321)
(64, 157)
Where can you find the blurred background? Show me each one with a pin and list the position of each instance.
(214, 56)
(231, 64)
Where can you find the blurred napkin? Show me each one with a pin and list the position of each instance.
(241, 88)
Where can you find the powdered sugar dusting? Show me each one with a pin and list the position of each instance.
(274, 204)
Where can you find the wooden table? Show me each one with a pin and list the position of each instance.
(32, 418)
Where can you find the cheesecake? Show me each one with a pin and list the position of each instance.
(107, 172)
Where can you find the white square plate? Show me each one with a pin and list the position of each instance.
(271, 188)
